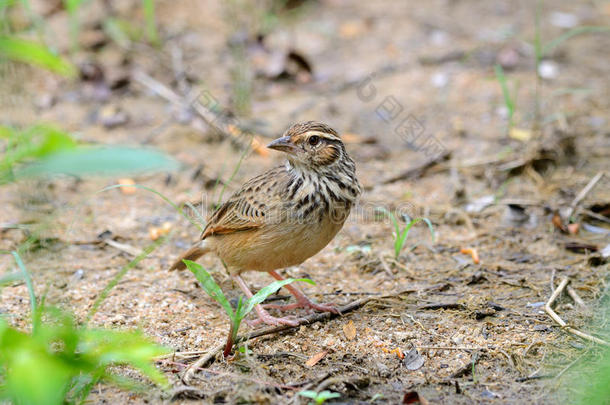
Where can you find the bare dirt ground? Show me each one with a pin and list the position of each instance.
(479, 328)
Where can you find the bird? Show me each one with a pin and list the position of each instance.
(284, 216)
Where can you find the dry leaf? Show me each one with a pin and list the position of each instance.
(414, 397)
(472, 252)
(573, 228)
(128, 190)
(156, 232)
(259, 147)
(522, 135)
(350, 330)
(413, 360)
(558, 223)
(313, 360)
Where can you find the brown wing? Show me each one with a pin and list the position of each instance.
(248, 208)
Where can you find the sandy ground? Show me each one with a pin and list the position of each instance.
(478, 329)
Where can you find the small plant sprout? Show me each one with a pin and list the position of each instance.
(509, 99)
(400, 237)
(319, 397)
(244, 307)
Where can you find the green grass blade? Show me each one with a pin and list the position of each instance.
(430, 227)
(151, 22)
(115, 280)
(210, 287)
(28, 283)
(33, 53)
(266, 291)
(501, 77)
(9, 278)
(550, 47)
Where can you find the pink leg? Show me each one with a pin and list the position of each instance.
(260, 311)
(302, 300)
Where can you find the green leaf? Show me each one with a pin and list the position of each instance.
(28, 282)
(33, 53)
(266, 291)
(400, 241)
(210, 287)
(308, 394)
(9, 278)
(108, 161)
(548, 48)
(108, 347)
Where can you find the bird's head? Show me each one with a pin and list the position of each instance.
(311, 144)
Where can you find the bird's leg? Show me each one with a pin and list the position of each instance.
(302, 300)
(263, 315)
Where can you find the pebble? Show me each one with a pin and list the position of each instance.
(548, 69)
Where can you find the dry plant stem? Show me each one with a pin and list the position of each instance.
(211, 354)
(123, 247)
(183, 102)
(583, 193)
(572, 293)
(549, 310)
(419, 171)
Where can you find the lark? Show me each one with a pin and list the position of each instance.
(286, 215)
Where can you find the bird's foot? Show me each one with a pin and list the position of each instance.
(265, 317)
(306, 303)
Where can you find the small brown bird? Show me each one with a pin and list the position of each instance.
(286, 215)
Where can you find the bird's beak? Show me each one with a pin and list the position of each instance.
(283, 144)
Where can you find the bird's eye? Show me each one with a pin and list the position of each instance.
(314, 140)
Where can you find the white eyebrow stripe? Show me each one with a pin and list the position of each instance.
(323, 134)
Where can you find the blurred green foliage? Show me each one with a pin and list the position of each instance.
(44, 150)
(33, 53)
(60, 362)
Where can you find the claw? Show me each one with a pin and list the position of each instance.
(264, 317)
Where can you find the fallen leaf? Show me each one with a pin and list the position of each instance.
(128, 182)
(522, 135)
(573, 228)
(413, 397)
(558, 223)
(349, 137)
(349, 330)
(259, 147)
(352, 29)
(413, 360)
(156, 232)
(313, 360)
(472, 252)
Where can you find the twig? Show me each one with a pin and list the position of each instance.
(386, 267)
(123, 247)
(204, 360)
(191, 101)
(572, 293)
(549, 310)
(449, 348)
(419, 171)
(583, 193)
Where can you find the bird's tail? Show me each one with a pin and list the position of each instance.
(195, 252)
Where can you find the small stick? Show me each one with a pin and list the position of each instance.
(549, 310)
(449, 348)
(420, 170)
(123, 247)
(386, 267)
(583, 193)
(204, 360)
(572, 293)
